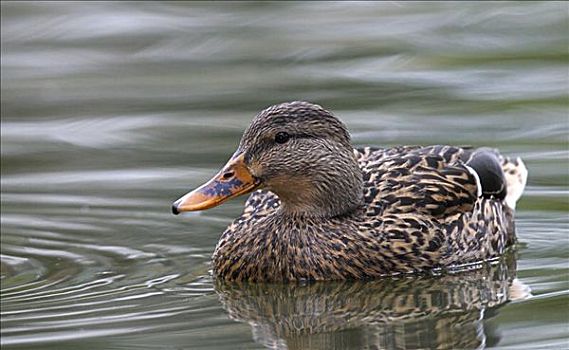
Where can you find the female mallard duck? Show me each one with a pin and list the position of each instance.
(325, 210)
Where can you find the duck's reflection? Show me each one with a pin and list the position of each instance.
(444, 312)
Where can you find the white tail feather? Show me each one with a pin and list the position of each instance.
(516, 178)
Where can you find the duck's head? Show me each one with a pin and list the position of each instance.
(299, 151)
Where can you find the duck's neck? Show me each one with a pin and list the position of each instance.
(333, 189)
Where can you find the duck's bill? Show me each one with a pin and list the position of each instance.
(233, 180)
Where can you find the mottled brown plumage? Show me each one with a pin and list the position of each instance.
(328, 211)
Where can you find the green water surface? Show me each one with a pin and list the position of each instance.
(112, 110)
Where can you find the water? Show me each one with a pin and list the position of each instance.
(110, 111)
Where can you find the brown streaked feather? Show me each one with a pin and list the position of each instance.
(420, 212)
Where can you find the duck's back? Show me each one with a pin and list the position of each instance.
(442, 203)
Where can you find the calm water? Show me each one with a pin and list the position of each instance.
(110, 111)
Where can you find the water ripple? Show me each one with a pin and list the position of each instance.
(110, 110)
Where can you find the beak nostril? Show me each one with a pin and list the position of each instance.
(228, 175)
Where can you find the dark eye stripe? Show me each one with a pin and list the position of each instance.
(303, 136)
(267, 144)
(296, 136)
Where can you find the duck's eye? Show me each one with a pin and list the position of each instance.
(282, 137)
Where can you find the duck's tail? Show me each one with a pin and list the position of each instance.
(498, 177)
(516, 175)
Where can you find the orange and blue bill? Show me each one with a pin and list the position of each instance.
(233, 180)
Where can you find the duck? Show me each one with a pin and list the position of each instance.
(321, 209)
